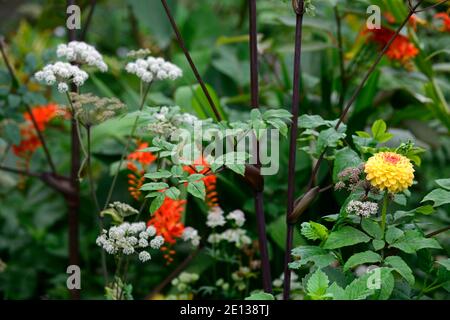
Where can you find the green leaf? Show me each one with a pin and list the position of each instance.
(280, 125)
(346, 236)
(260, 296)
(173, 193)
(445, 263)
(162, 174)
(197, 189)
(378, 244)
(157, 203)
(277, 113)
(372, 228)
(337, 292)
(413, 241)
(317, 285)
(306, 254)
(438, 196)
(345, 158)
(401, 267)
(357, 289)
(310, 122)
(387, 284)
(238, 168)
(393, 234)
(314, 231)
(154, 186)
(444, 183)
(362, 258)
(328, 138)
(378, 129)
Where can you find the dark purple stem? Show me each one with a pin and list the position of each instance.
(189, 59)
(259, 196)
(293, 145)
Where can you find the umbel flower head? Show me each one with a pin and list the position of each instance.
(81, 53)
(389, 171)
(152, 68)
(62, 74)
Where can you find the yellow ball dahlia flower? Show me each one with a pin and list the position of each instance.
(389, 171)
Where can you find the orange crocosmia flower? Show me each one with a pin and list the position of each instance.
(401, 49)
(42, 114)
(210, 180)
(144, 158)
(445, 21)
(167, 220)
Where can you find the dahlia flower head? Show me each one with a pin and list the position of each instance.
(81, 53)
(152, 68)
(389, 171)
(62, 74)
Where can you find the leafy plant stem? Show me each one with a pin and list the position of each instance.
(384, 211)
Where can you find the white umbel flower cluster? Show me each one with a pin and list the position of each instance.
(237, 216)
(191, 234)
(152, 68)
(238, 237)
(362, 208)
(81, 53)
(61, 73)
(215, 218)
(128, 238)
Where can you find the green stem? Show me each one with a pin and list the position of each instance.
(127, 145)
(384, 211)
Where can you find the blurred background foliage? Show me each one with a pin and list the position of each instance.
(411, 99)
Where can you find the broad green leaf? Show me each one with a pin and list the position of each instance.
(346, 236)
(195, 177)
(378, 244)
(372, 228)
(238, 168)
(162, 174)
(393, 234)
(173, 193)
(378, 129)
(317, 285)
(316, 255)
(328, 138)
(413, 241)
(310, 122)
(314, 231)
(445, 263)
(362, 258)
(438, 196)
(337, 292)
(157, 203)
(154, 186)
(444, 183)
(401, 267)
(197, 189)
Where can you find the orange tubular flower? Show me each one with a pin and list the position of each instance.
(167, 220)
(43, 115)
(136, 177)
(445, 21)
(401, 49)
(210, 181)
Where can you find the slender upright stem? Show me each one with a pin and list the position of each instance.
(259, 197)
(92, 189)
(190, 61)
(293, 145)
(127, 146)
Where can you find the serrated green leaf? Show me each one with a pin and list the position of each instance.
(173, 193)
(401, 267)
(260, 296)
(362, 258)
(413, 241)
(314, 231)
(317, 285)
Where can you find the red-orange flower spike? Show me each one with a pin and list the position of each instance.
(210, 180)
(445, 21)
(43, 115)
(167, 220)
(401, 49)
(144, 158)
